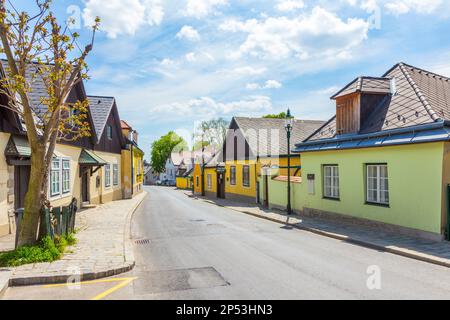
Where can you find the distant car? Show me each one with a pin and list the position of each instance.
(159, 183)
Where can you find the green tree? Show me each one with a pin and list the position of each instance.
(162, 149)
(281, 115)
(38, 47)
(212, 132)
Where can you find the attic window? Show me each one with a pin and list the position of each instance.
(109, 132)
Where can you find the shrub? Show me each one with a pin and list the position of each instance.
(47, 251)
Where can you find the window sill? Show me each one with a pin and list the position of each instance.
(332, 199)
(377, 204)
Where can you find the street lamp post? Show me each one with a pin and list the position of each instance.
(289, 125)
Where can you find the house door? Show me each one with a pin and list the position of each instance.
(221, 185)
(85, 187)
(21, 180)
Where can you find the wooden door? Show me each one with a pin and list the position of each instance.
(21, 180)
(85, 187)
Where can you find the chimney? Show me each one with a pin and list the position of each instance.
(356, 101)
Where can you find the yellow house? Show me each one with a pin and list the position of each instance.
(250, 145)
(132, 162)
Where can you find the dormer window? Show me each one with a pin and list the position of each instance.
(356, 101)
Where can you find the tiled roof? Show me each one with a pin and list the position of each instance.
(421, 97)
(366, 84)
(263, 143)
(124, 124)
(100, 108)
(90, 158)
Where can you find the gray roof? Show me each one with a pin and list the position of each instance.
(100, 108)
(366, 84)
(421, 97)
(262, 142)
(38, 87)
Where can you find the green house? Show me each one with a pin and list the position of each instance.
(384, 158)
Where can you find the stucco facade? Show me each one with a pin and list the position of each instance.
(417, 176)
(6, 190)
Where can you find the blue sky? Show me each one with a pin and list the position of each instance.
(173, 63)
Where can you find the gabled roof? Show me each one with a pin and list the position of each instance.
(100, 108)
(18, 146)
(422, 97)
(258, 134)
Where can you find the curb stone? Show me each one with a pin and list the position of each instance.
(5, 274)
(389, 249)
(127, 243)
(127, 266)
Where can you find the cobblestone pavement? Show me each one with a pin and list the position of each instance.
(102, 249)
(421, 249)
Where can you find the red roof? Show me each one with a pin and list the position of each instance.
(124, 124)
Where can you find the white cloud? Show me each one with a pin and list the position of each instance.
(209, 107)
(269, 84)
(167, 62)
(290, 5)
(189, 33)
(249, 71)
(400, 7)
(123, 17)
(202, 8)
(319, 33)
(191, 57)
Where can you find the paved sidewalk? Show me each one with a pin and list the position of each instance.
(103, 249)
(416, 248)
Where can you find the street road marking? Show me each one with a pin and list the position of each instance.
(113, 289)
(123, 282)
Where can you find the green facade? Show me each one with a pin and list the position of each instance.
(415, 174)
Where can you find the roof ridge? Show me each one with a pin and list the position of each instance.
(318, 130)
(423, 70)
(434, 116)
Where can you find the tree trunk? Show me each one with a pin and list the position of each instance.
(33, 200)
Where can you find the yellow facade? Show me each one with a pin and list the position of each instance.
(240, 190)
(184, 183)
(211, 181)
(99, 193)
(138, 169)
(197, 175)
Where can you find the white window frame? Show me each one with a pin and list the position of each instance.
(63, 177)
(332, 191)
(115, 174)
(107, 176)
(246, 185)
(60, 171)
(233, 176)
(379, 188)
(209, 181)
(53, 182)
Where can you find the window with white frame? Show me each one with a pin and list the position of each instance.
(209, 181)
(115, 174)
(246, 176)
(109, 132)
(377, 184)
(59, 177)
(331, 181)
(107, 175)
(65, 176)
(55, 178)
(233, 175)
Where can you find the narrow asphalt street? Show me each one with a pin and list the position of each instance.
(189, 249)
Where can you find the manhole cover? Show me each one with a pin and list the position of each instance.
(142, 241)
(177, 280)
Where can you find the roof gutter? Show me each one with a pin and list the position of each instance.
(436, 125)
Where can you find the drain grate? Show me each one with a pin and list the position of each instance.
(142, 241)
